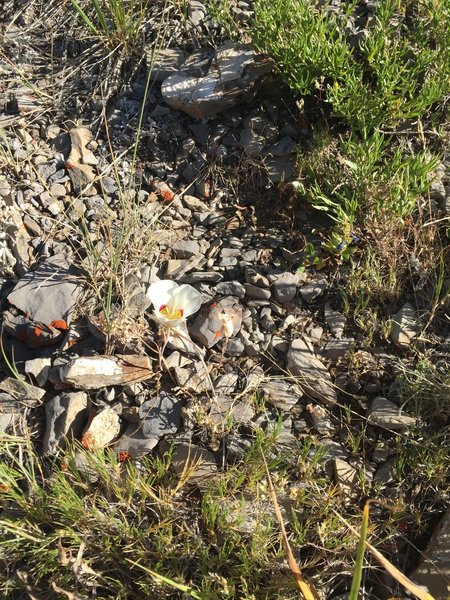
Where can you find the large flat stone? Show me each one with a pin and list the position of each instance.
(312, 374)
(50, 293)
(205, 89)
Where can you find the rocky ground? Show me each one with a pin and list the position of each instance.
(271, 345)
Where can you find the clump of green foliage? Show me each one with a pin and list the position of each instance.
(375, 97)
(399, 69)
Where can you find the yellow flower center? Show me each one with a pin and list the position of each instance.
(171, 313)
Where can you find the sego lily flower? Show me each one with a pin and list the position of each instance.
(173, 303)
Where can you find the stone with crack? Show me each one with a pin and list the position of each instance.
(216, 82)
(65, 417)
(312, 374)
(282, 394)
(95, 372)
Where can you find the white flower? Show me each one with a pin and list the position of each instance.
(173, 303)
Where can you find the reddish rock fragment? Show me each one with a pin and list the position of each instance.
(102, 430)
(33, 335)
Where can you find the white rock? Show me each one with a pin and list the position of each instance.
(102, 430)
(94, 372)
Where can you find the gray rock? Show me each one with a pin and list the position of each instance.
(256, 292)
(231, 75)
(346, 478)
(83, 464)
(65, 417)
(23, 392)
(231, 288)
(386, 414)
(234, 347)
(188, 373)
(46, 170)
(225, 407)
(434, 570)
(251, 142)
(194, 465)
(57, 190)
(164, 62)
(9, 411)
(280, 168)
(133, 443)
(160, 416)
(177, 268)
(283, 286)
(312, 373)
(266, 319)
(226, 384)
(283, 147)
(281, 393)
(385, 472)
(5, 188)
(50, 293)
(223, 319)
(186, 248)
(335, 321)
(313, 290)
(404, 326)
(321, 418)
(334, 349)
(203, 276)
(38, 368)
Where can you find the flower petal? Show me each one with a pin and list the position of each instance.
(161, 292)
(187, 299)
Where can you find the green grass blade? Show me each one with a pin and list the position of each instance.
(357, 573)
(85, 18)
(161, 579)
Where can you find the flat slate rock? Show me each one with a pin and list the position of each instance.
(282, 394)
(207, 85)
(95, 372)
(384, 413)
(50, 293)
(197, 465)
(65, 417)
(312, 374)
(133, 443)
(23, 392)
(160, 416)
